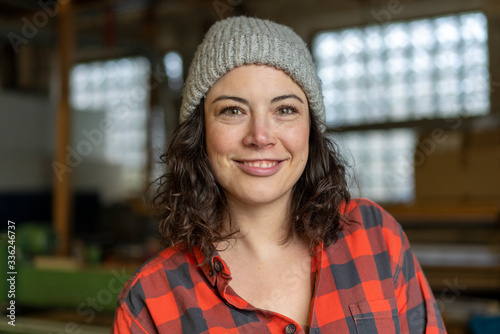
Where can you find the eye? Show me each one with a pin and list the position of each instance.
(286, 110)
(231, 111)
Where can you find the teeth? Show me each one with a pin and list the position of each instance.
(263, 164)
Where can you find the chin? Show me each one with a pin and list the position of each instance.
(262, 198)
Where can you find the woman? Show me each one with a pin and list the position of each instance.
(264, 237)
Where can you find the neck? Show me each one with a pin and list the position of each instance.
(261, 227)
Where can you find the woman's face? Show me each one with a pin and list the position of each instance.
(257, 132)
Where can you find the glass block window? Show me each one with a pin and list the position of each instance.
(119, 88)
(430, 68)
(414, 70)
(382, 174)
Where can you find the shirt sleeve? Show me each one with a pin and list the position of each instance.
(124, 324)
(417, 308)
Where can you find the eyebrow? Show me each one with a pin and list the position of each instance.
(242, 100)
(226, 97)
(284, 97)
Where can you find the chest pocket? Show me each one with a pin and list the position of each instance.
(379, 316)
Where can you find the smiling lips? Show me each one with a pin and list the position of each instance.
(260, 167)
(261, 164)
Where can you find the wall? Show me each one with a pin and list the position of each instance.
(27, 145)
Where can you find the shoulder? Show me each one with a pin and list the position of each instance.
(169, 259)
(369, 229)
(156, 279)
(364, 214)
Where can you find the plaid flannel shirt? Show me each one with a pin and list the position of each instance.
(369, 281)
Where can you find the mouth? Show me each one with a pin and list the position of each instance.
(260, 167)
(261, 163)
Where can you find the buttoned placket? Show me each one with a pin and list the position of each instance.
(219, 276)
(316, 270)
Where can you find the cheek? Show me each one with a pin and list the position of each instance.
(300, 143)
(217, 144)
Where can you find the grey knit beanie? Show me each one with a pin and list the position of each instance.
(243, 40)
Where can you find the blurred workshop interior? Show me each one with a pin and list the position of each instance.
(90, 92)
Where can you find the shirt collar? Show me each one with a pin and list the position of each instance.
(212, 269)
(217, 267)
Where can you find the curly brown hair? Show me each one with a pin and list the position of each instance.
(193, 206)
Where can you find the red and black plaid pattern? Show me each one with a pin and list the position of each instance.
(367, 282)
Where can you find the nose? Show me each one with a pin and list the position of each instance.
(260, 132)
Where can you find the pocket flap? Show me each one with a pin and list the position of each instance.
(385, 308)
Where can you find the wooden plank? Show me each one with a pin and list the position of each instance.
(62, 204)
(467, 214)
(461, 279)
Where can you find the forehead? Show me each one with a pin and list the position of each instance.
(256, 79)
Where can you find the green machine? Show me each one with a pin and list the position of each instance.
(85, 292)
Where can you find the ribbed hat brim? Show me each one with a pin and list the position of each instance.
(243, 40)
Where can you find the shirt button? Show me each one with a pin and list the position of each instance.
(211, 273)
(218, 265)
(290, 329)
